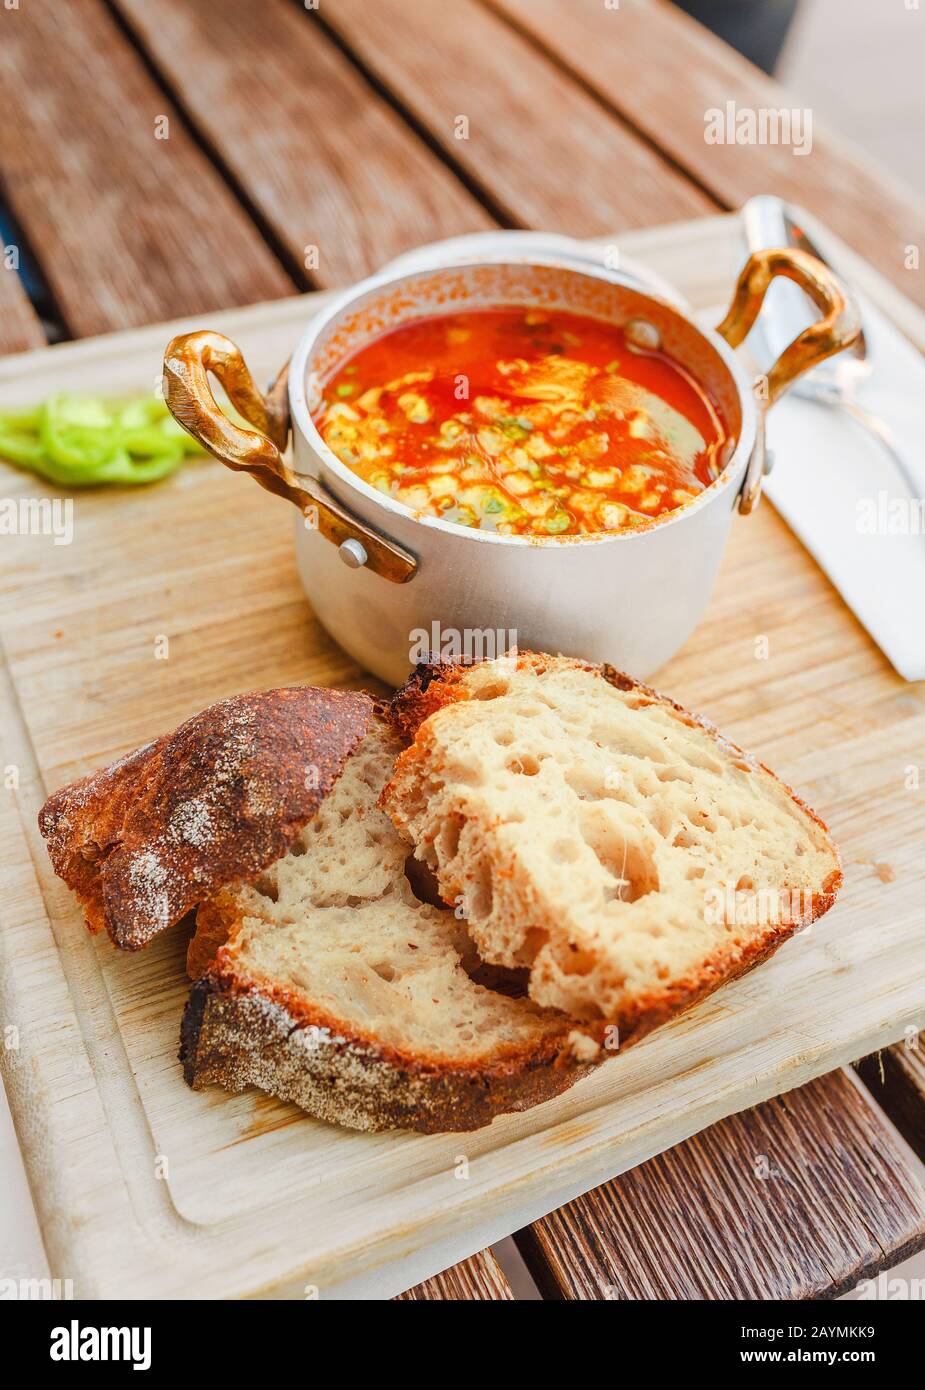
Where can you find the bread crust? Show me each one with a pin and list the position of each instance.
(142, 841)
(240, 1031)
(437, 683)
(433, 683)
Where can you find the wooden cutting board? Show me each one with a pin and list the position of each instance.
(144, 1188)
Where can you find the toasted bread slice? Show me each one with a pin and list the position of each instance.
(328, 982)
(597, 834)
(143, 841)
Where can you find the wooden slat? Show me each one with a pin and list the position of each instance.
(660, 70)
(327, 161)
(799, 1198)
(128, 228)
(478, 1279)
(896, 1080)
(19, 324)
(545, 151)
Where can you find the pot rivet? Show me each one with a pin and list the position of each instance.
(640, 333)
(353, 553)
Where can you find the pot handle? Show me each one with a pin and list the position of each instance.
(187, 362)
(836, 330)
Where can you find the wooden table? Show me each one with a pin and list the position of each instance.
(168, 160)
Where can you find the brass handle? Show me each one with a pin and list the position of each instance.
(837, 329)
(187, 362)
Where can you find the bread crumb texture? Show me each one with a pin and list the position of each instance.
(619, 848)
(379, 1010)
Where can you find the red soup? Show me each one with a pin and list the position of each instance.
(524, 421)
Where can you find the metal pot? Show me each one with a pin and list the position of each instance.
(387, 582)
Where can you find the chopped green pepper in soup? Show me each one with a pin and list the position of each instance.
(523, 421)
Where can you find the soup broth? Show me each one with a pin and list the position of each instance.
(524, 421)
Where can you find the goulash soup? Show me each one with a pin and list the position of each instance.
(523, 421)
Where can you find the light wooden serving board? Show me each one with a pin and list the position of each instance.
(144, 1188)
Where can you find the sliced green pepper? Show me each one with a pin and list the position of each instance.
(23, 449)
(81, 441)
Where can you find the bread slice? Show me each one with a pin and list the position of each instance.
(619, 848)
(328, 982)
(142, 841)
